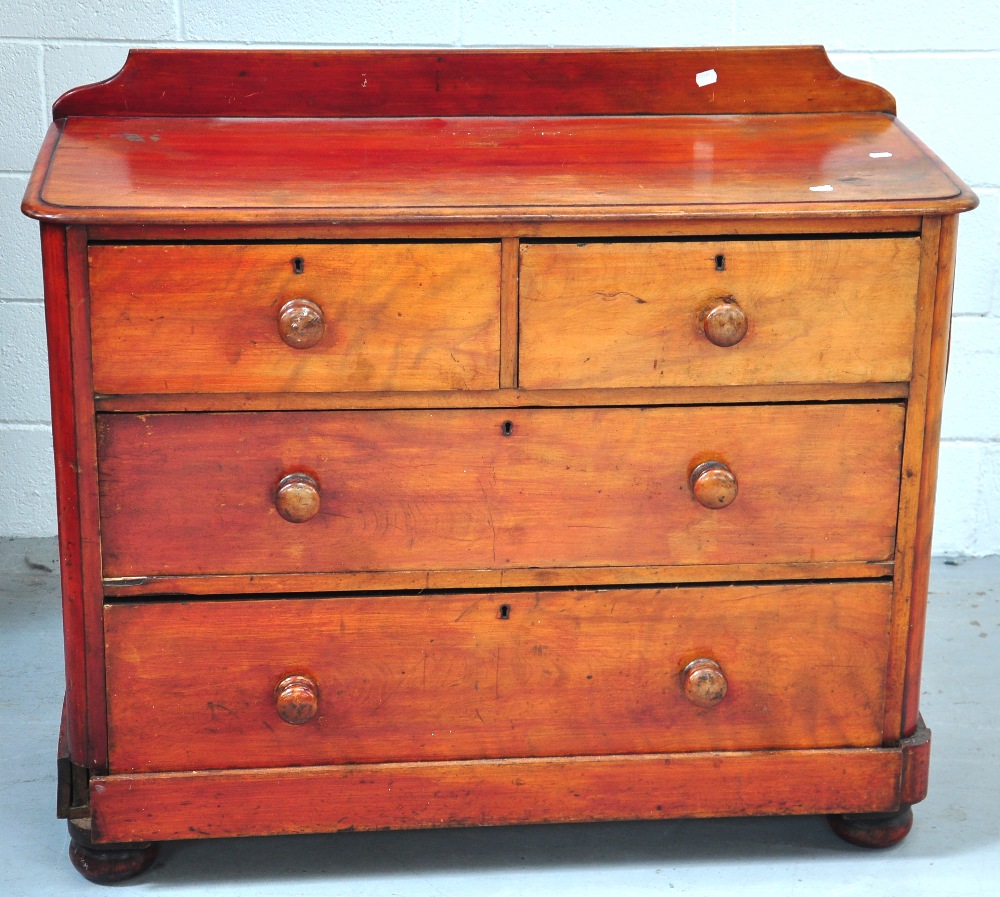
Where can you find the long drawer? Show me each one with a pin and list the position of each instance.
(719, 313)
(278, 492)
(241, 683)
(295, 317)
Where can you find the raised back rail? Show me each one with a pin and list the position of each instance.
(421, 83)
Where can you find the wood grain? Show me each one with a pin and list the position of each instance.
(498, 792)
(296, 83)
(510, 301)
(490, 400)
(505, 674)
(340, 171)
(84, 427)
(194, 494)
(399, 316)
(504, 398)
(66, 315)
(609, 314)
(519, 578)
(910, 488)
(71, 536)
(860, 222)
(937, 366)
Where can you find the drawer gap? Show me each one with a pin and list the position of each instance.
(499, 590)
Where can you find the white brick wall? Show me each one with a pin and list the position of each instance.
(943, 69)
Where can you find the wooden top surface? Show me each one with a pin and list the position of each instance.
(481, 136)
(179, 170)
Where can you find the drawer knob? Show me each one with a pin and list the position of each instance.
(297, 497)
(725, 324)
(714, 485)
(704, 682)
(296, 700)
(300, 323)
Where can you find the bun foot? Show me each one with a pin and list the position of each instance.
(106, 864)
(873, 829)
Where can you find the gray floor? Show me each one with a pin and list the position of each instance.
(953, 849)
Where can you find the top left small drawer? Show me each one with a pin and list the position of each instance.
(333, 317)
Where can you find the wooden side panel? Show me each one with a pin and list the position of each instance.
(396, 316)
(630, 314)
(487, 489)
(505, 674)
(499, 792)
(937, 365)
(353, 83)
(66, 312)
(57, 322)
(86, 471)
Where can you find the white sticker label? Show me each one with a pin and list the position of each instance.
(703, 79)
(880, 155)
(822, 188)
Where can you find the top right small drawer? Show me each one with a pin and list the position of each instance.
(717, 313)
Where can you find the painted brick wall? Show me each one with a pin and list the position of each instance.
(943, 68)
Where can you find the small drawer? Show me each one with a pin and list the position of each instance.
(295, 317)
(230, 683)
(723, 313)
(291, 492)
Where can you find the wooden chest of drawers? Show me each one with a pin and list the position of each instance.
(464, 438)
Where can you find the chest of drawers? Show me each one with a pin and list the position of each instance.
(469, 438)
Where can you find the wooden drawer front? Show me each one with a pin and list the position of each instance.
(193, 685)
(631, 314)
(406, 316)
(424, 490)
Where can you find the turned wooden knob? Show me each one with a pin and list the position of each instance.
(724, 324)
(704, 682)
(296, 700)
(297, 497)
(300, 323)
(714, 484)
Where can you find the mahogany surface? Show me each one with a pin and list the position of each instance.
(501, 792)
(492, 675)
(398, 316)
(391, 83)
(449, 489)
(487, 437)
(193, 170)
(612, 314)
(436, 794)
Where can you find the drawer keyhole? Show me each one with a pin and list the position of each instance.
(298, 265)
(507, 428)
(504, 612)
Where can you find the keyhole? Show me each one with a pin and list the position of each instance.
(507, 427)
(298, 264)
(504, 612)
(720, 262)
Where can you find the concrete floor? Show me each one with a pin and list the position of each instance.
(952, 850)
